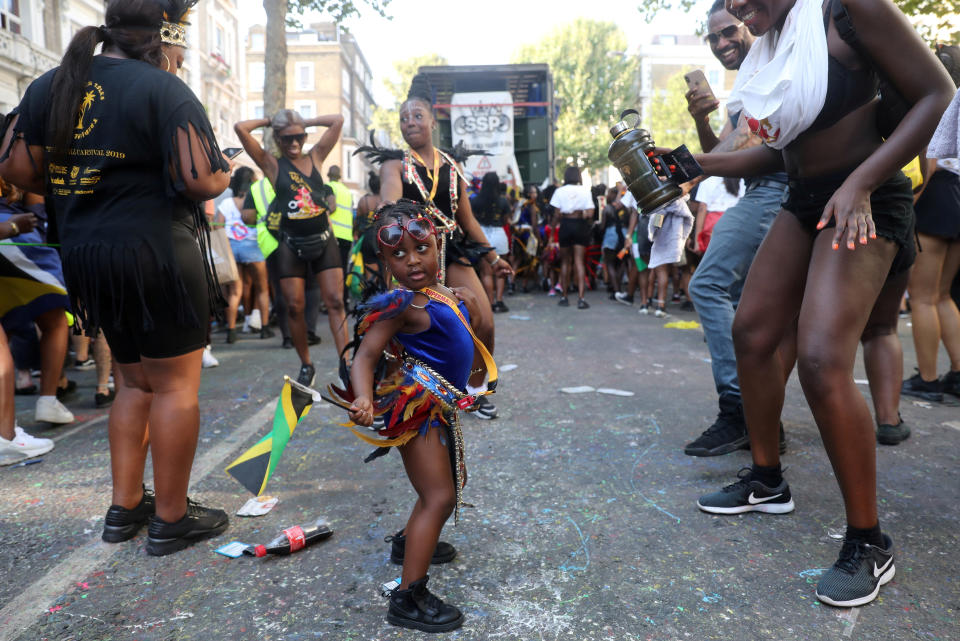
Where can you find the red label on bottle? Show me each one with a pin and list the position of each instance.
(296, 538)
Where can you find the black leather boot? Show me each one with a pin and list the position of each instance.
(443, 554)
(418, 609)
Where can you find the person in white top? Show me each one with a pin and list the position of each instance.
(575, 206)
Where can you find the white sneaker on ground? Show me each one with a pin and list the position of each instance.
(255, 323)
(246, 325)
(209, 360)
(50, 410)
(22, 446)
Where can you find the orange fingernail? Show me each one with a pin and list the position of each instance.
(836, 245)
(851, 245)
(820, 225)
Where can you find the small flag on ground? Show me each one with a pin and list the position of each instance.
(254, 467)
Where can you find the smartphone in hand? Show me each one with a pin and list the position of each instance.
(232, 152)
(697, 81)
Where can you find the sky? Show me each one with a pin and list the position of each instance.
(476, 33)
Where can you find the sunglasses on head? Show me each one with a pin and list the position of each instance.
(418, 228)
(727, 33)
(290, 138)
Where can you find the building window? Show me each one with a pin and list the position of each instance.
(347, 118)
(345, 82)
(10, 16)
(304, 74)
(306, 108)
(257, 71)
(256, 110)
(257, 41)
(220, 39)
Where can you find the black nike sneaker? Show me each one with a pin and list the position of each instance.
(748, 495)
(856, 577)
(307, 375)
(419, 609)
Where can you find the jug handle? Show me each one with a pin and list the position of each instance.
(629, 112)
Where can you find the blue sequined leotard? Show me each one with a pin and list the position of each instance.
(446, 345)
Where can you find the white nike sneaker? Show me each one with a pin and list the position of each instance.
(50, 410)
(209, 360)
(256, 324)
(22, 446)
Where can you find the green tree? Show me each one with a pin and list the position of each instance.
(935, 19)
(593, 81)
(667, 118)
(286, 13)
(387, 118)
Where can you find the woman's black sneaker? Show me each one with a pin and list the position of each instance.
(892, 434)
(122, 524)
(266, 332)
(197, 524)
(307, 375)
(950, 383)
(444, 553)
(563, 302)
(927, 390)
(582, 304)
(231, 336)
(417, 608)
(499, 307)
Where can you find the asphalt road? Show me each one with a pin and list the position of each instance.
(583, 522)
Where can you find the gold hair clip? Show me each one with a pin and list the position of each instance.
(172, 33)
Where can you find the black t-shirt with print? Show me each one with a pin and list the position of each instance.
(120, 187)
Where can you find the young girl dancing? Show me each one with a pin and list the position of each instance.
(412, 363)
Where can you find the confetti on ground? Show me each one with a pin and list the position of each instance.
(614, 392)
(577, 390)
(518, 317)
(509, 367)
(923, 404)
(683, 325)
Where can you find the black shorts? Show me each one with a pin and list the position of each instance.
(574, 231)
(891, 206)
(938, 209)
(125, 334)
(289, 266)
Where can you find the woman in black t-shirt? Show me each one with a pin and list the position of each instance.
(307, 247)
(124, 153)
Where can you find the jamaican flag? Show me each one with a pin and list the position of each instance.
(254, 467)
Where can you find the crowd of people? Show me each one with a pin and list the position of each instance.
(804, 242)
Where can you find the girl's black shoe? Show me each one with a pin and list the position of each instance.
(418, 609)
(443, 554)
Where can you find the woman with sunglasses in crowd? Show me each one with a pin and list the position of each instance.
(308, 248)
(432, 177)
(822, 127)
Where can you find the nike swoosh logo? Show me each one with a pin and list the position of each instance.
(878, 571)
(753, 500)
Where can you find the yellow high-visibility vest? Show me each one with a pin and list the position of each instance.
(342, 218)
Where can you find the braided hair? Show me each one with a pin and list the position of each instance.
(421, 90)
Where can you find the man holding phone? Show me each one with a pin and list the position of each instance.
(718, 280)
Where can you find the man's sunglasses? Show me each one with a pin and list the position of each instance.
(291, 138)
(419, 228)
(727, 33)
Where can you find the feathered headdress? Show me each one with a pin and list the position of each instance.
(173, 29)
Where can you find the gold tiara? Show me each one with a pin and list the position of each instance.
(172, 33)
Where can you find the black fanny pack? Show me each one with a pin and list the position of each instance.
(309, 247)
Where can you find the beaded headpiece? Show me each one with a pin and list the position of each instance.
(173, 28)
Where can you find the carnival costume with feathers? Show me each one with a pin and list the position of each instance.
(411, 394)
(455, 245)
